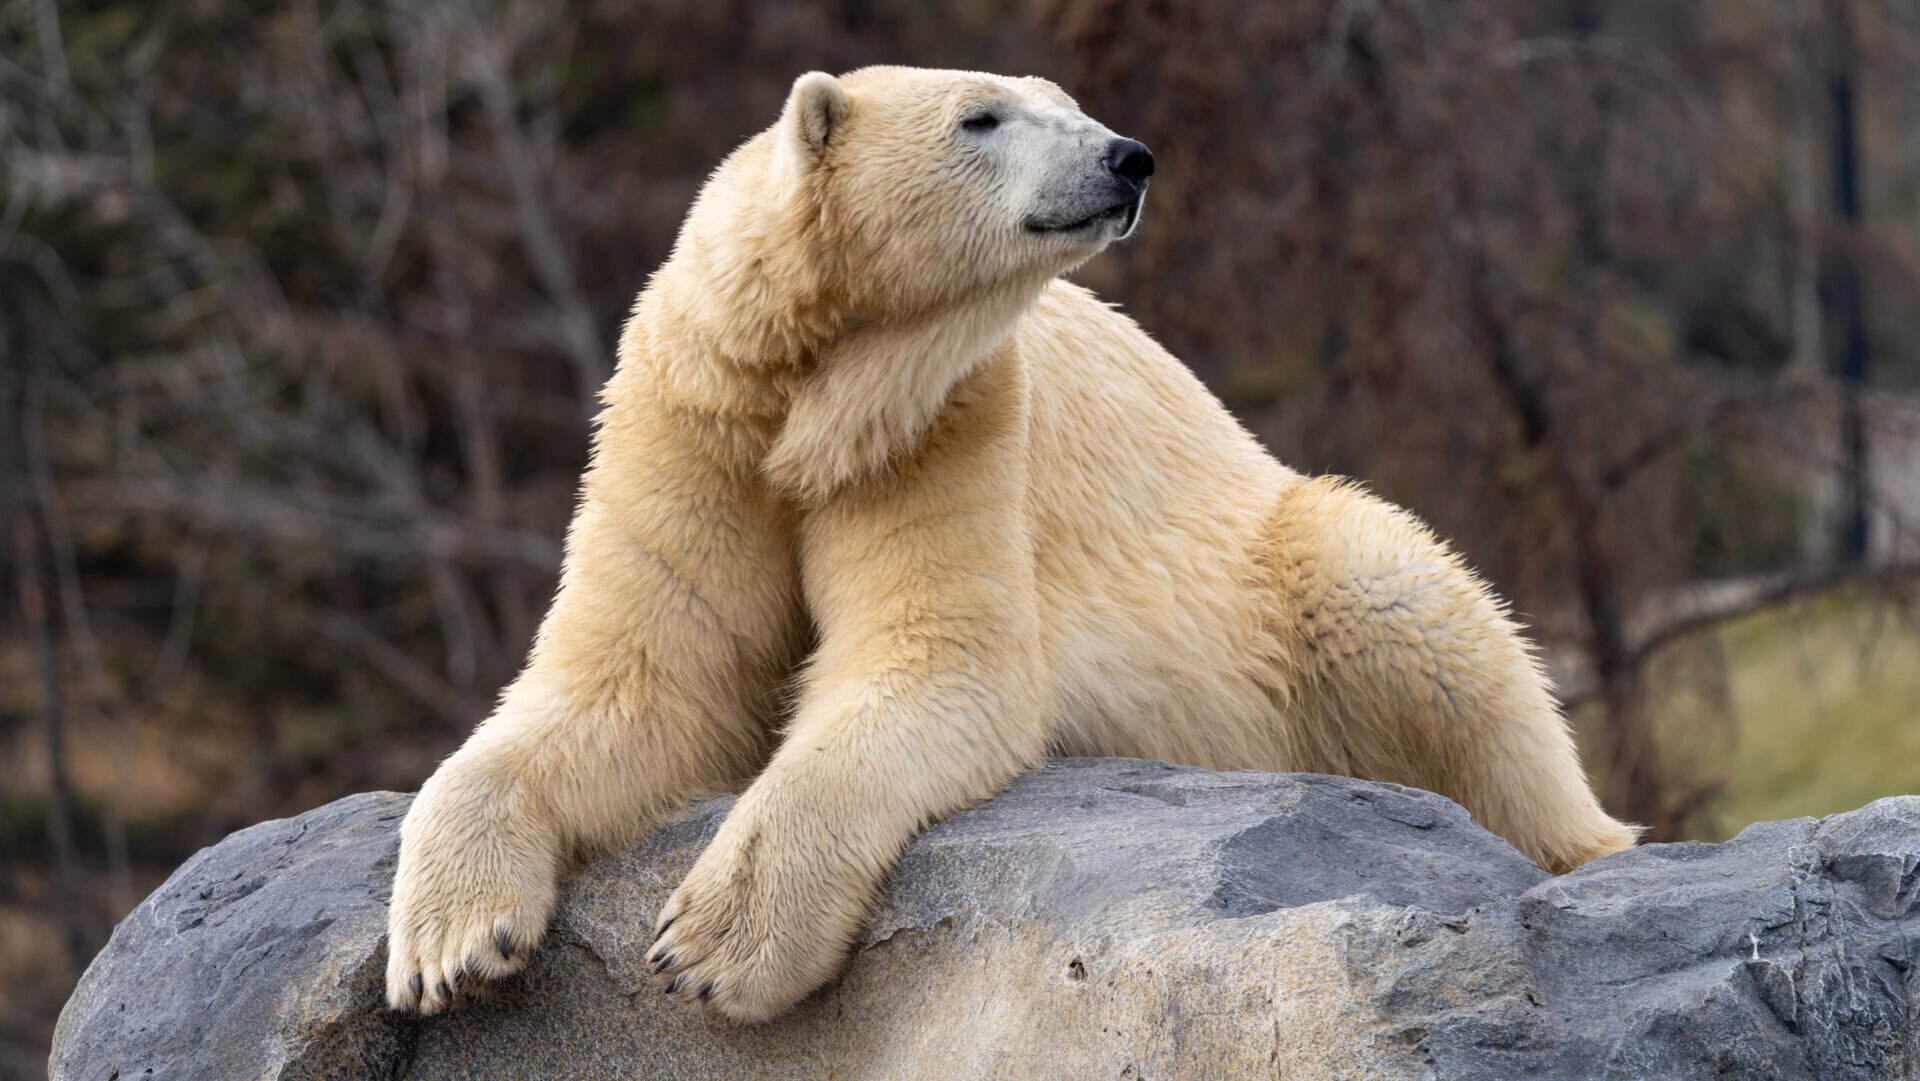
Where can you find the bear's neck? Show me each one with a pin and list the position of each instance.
(834, 399)
(874, 391)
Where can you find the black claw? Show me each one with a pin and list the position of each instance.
(459, 977)
(673, 985)
(662, 963)
(663, 927)
(445, 991)
(706, 992)
(503, 942)
(419, 987)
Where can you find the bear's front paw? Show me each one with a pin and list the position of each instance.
(473, 894)
(751, 932)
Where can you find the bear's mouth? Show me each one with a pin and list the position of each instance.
(1125, 212)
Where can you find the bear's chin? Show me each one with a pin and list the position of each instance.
(1124, 215)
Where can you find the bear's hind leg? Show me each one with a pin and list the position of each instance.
(1404, 667)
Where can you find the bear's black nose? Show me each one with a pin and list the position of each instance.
(1129, 160)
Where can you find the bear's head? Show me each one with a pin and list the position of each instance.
(889, 190)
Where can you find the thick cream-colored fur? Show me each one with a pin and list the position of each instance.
(880, 512)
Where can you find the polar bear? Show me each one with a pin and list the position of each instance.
(881, 512)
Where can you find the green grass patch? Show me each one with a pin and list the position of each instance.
(1825, 697)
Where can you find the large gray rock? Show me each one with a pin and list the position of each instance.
(1103, 918)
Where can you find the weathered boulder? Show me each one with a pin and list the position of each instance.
(1103, 918)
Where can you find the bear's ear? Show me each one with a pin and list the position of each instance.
(815, 110)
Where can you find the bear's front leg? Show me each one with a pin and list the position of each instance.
(924, 696)
(653, 679)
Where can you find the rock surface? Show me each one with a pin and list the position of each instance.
(1103, 918)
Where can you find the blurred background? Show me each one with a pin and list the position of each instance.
(303, 307)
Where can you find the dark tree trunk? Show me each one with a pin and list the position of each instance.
(1852, 360)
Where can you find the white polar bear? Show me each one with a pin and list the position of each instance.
(862, 435)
